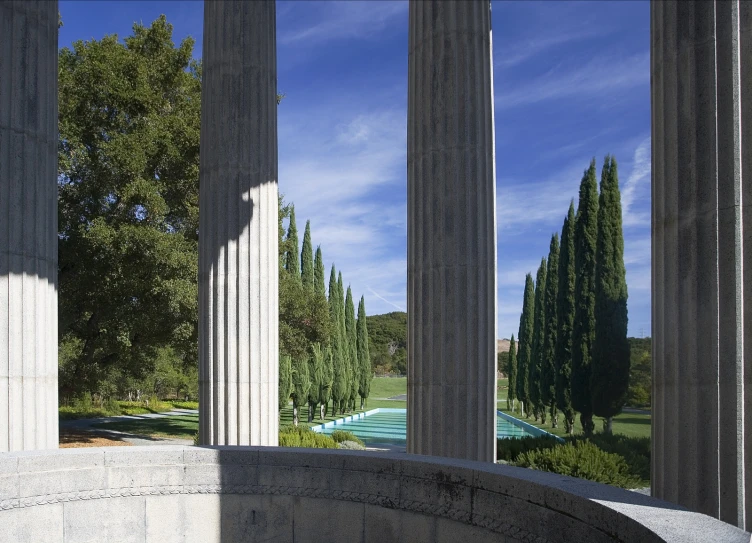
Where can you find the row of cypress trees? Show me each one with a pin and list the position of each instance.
(335, 370)
(572, 353)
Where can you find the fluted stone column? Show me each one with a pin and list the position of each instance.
(701, 85)
(238, 261)
(28, 225)
(451, 238)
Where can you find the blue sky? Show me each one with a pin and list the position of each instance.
(571, 82)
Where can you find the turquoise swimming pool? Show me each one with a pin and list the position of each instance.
(388, 426)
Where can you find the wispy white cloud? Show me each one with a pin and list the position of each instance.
(346, 175)
(600, 75)
(507, 56)
(522, 205)
(343, 20)
(637, 182)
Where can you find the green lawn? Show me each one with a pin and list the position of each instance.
(386, 387)
(629, 424)
(180, 426)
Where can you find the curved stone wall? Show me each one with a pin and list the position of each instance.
(243, 494)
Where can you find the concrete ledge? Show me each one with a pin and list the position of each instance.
(240, 494)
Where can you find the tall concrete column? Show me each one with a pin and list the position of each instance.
(451, 238)
(28, 225)
(238, 261)
(701, 85)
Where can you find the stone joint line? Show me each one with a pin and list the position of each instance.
(415, 506)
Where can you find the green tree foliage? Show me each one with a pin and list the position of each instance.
(640, 373)
(339, 377)
(536, 364)
(327, 382)
(128, 150)
(306, 259)
(387, 340)
(285, 380)
(512, 374)
(319, 286)
(292, 262)
(583, 332)
(352, 340)
(549, 369)
(364, 358)
(565, 320)
(524, 355)
(316, 371)
(346, 347)
(301, 384)
(609, 374)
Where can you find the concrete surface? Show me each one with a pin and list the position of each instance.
(239, 494)
(28, 225)
(701, 85)
(238, 260)
(451, 234)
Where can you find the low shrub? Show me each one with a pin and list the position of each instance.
(582, 459)
(299, 436)
(341, 436)
(509, 449)
(634, 450)
(351, 446)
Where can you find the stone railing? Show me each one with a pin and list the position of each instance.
(244, 494)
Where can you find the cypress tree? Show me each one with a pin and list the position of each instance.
(318, 274)
(512, 377)
(316, 373)
(525, 338)
(565, 320)
(326, 382)
(306, 259)
(301, 384)
(583, 329)
(346, 350)
(292, 264)
(548, 377)
(339, 381)
(536, 363)
(352, 340)
(285, 380)
(609, 372)
(364, 356)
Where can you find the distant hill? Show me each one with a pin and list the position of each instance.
(387, 335)
(387, 342)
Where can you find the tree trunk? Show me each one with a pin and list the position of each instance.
(608, 425)
(568, 425)
(295, 414)
(310, 412)
(322, 411)
(554, 415)
(587, 424)
(543, 415)
(362, 401)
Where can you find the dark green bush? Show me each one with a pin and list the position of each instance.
(300, 436)
(510, 449)
(343, 435)
(582, 459)
(634, 451)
